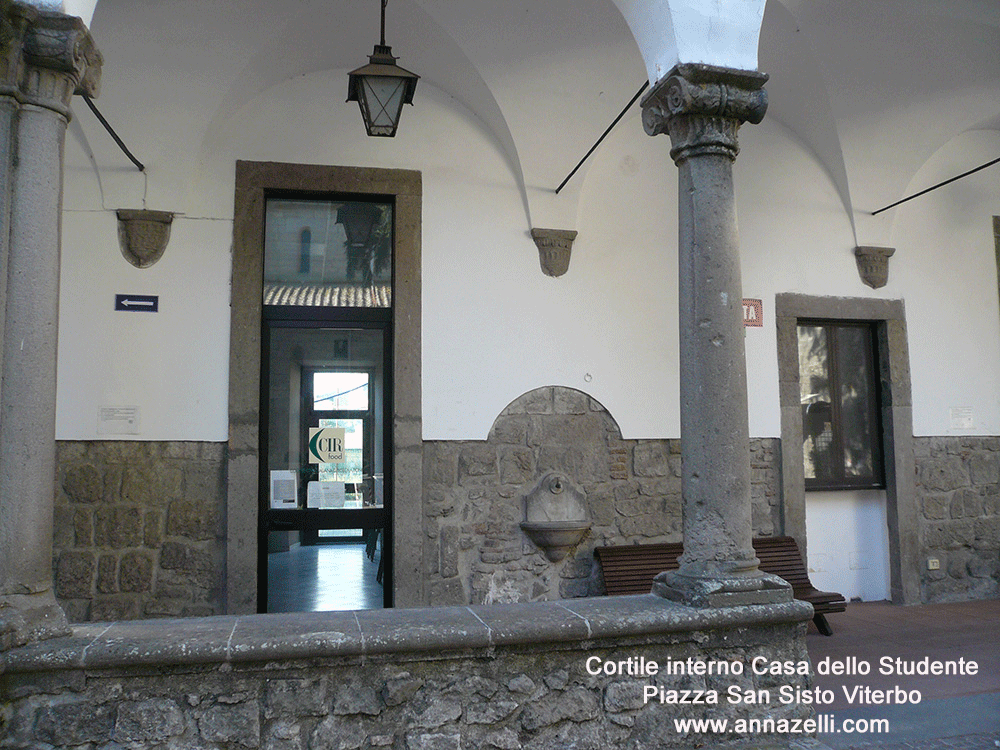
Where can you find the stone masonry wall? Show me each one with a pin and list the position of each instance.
(475, 550)
(958, 495)
(497, 678)
(139, 529)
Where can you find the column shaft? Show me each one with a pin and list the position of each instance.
(47, 58)
(702, 107)
(714, 423)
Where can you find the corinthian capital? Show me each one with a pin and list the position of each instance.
(46, 58)
(702, 108)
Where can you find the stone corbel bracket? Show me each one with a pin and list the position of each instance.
(873, 265)
(554, 248)
(143, 235)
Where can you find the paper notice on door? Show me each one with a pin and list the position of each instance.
(284, 493)
(325, 495)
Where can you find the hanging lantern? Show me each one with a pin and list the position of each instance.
(381, 88)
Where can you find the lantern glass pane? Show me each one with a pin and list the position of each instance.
(384, 95)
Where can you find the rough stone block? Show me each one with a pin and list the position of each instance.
(75, 575)
(357, 698)
(936, 507)
(435, 713)
(987, 533)
(942, 474)
(623, 696)
(152, 529)
(237, 723)
(651, 458)
(107, 574)
(115, 607)
(426, 741)
(570, 401)
(399, 689)
(577, 704)
(566, 460)
(135, 572)
(295, 697)
(490, 712)
(194, 520)
(510, 430)
(117, 527)
(449, 551)
(150, 721)
(477, 464)
(949, 534)
(967, 503)
(204, 484)
(450, 591)
(440, 463)
(63, 536)
(84, 484)
(516, 465)
(74, 722)
(984, 468)
(176, 556)
(285, 734)
(337, 733)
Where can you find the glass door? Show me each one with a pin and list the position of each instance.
(326, 411)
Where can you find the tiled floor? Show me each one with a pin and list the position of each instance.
(955, 711)
(322, 578)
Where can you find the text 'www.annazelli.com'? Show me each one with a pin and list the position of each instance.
(821, 724)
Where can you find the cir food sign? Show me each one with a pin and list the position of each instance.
(326, 445)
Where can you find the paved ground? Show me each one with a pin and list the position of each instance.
(955, 712)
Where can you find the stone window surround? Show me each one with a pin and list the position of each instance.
(897, 424)
(254, 180)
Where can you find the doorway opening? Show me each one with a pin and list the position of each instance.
(299, 293)
(326, 385)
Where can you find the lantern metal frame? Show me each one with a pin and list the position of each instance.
(381, 67)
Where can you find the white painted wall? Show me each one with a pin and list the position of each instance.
(493, 325)
(946, 260)
(855, 560)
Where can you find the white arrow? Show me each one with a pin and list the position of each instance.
(143, 302)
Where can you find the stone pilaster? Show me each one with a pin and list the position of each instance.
(44, 59)
(702, 108)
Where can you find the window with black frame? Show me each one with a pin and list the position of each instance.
(839, 393)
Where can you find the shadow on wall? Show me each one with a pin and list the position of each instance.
(474, 493)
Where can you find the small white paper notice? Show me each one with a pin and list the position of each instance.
(325, 495)
(284, 492)
(118, 420)
(962, 418)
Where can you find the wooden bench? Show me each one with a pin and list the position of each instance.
(630, 569)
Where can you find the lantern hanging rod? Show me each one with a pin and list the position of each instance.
(112, 133)
(935, 187)
(604, 135)
(383, 22)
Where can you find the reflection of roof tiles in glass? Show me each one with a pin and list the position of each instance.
(327, 295)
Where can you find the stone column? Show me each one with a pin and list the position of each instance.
(49, 58)
(702, 107)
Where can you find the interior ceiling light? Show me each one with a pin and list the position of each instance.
(381, 88)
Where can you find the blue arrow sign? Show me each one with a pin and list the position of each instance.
(137, 302)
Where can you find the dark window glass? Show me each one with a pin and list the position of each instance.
(841, 434)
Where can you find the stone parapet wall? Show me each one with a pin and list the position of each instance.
(139, 529)
(474, 548)
(505, 677)
(958, 494)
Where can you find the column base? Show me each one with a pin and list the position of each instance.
(719, 588)
(27, 618)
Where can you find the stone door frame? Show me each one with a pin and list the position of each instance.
(254, 181)
(889, 317)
